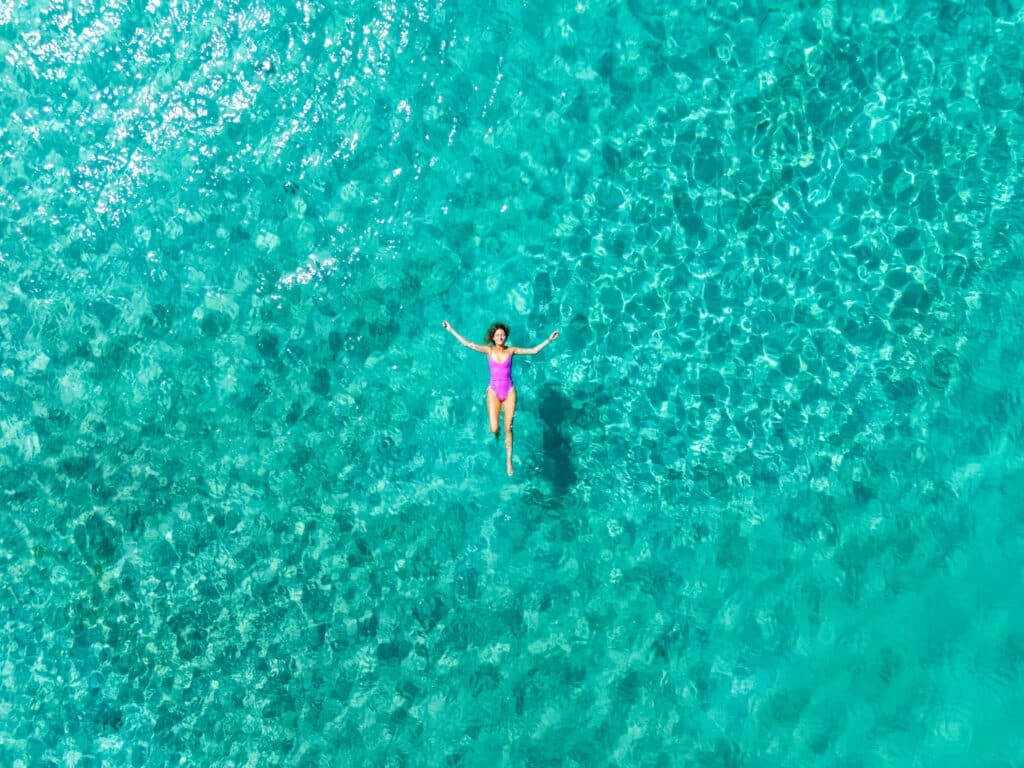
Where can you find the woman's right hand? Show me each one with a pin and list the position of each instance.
(446, 326)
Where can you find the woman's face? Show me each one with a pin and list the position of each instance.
(499, 336)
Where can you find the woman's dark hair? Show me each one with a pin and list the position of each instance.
(495, 326)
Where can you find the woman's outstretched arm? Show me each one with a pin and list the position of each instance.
(462, 341)
(538, 348)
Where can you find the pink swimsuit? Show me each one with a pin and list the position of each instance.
(501, 376)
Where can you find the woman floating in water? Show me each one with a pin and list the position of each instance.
(501, 392)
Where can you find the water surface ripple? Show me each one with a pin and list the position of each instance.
(765, 509)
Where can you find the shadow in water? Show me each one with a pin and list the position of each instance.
(558, 469)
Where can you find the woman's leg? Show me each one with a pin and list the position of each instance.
(493, 407)
(510, 412)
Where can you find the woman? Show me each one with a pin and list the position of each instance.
(501, 392)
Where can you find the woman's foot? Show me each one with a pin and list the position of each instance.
(508, 468)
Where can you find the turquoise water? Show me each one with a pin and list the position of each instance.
(766, 509)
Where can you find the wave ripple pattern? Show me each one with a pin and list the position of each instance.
(766, 509)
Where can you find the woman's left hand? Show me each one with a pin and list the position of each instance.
(553, 336)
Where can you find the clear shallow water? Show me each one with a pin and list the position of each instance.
(766, 509)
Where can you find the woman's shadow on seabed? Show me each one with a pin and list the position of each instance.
(558, 469)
